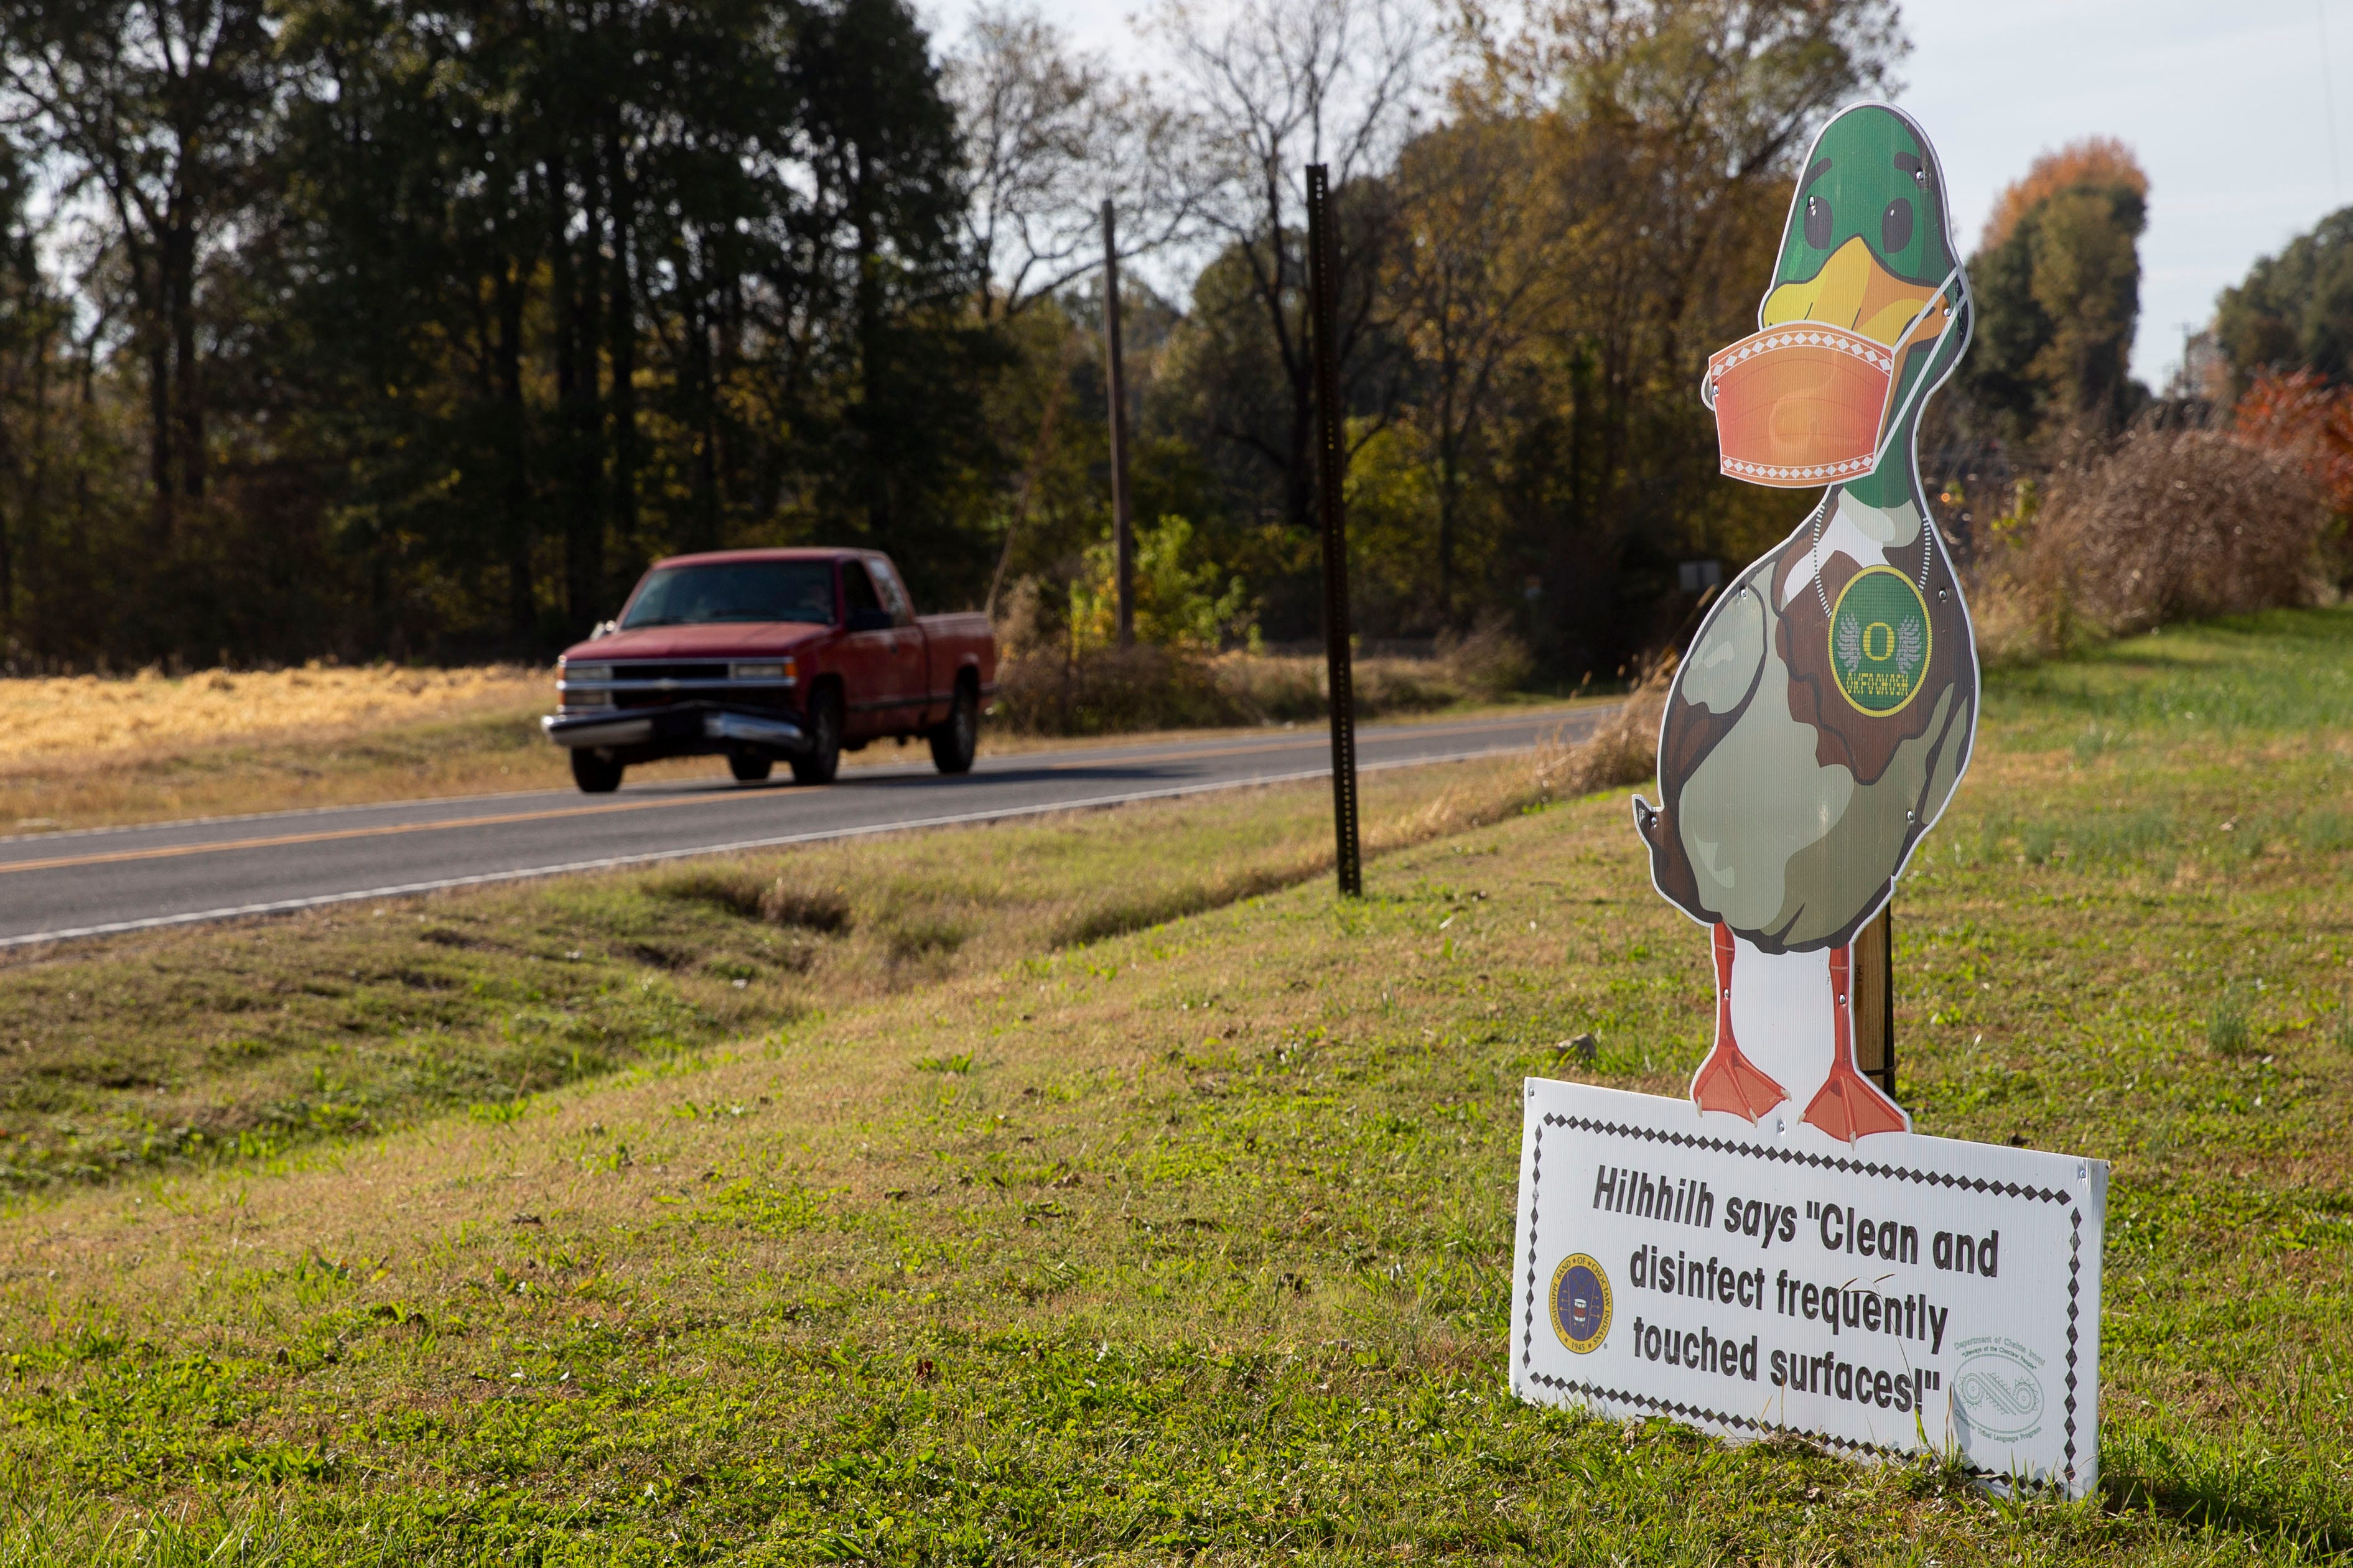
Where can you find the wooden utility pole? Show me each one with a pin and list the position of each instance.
(1330, 470)
(1874, 999)
(1122, 524)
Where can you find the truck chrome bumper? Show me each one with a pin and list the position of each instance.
(685, 724)
(759, 729)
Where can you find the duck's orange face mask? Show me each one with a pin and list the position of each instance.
(1815, 397)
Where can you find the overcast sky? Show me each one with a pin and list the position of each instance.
(2226, 102)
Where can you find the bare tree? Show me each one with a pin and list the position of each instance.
(1050, 135)
(1277, 85)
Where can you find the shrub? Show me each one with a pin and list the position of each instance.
(1180, 599)
(2226, 1025)
(1623, 750)
(2169, 525)
(1490, 660)
(1110, 689)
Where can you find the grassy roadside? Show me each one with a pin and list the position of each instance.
(190, 1046)
(1189, 1242)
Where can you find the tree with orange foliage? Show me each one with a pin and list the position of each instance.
(2057, 281)
(2097, 161)
(2302, 413)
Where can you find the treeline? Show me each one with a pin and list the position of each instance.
(354, 329)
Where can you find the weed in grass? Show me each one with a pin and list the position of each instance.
(918, 936)
(2119, 835)
(826, 912)
(2226, 1024)
(953, 1062)
(2326, 832)
(751, 894)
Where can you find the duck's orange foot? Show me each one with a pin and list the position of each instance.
(1730, 1082)
(1849, 1106)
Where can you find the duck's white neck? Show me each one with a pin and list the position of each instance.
(1861, 532)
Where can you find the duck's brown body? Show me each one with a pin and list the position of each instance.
(1788, 808)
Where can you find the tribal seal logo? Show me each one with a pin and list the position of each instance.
(1999, 1389)
(1880, 641)
(1580, 1303)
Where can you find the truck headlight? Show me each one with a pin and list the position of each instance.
(585, 672)
(771, 672)
(588, 700)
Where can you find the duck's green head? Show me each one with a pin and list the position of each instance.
(1868, 246)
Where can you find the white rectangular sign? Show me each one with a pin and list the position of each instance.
(1899, 1294)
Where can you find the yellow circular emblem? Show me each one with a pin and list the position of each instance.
(1880, 641)
(1580, 1303)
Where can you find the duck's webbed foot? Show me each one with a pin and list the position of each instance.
(1728, 1080)
(1850, 1105)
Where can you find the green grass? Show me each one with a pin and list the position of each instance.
(1190, 1242)
(2276, 672)
(201, 1047)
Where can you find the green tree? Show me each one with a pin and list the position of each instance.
(884, 155)
(2295, 310)
(2056, 280)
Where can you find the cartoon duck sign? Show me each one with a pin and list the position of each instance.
(1825, 711)
(1745, 1266)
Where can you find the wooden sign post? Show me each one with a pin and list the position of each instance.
(1874, 1000)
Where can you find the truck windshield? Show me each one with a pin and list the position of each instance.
(735, 590)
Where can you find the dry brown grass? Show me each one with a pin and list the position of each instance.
(1623, 750)
(52, 719)
(1046, 692)
(86, 751)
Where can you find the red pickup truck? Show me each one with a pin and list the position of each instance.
(757, 654)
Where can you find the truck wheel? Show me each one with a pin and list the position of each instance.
(748, 769)
(823, 759)
(596, 772)
(957, 738)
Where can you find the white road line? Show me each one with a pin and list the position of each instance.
(288, 906)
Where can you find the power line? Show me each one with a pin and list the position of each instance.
(2328, 101)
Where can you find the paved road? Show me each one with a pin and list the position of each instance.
(63, 885)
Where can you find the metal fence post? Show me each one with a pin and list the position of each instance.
(1331, 466)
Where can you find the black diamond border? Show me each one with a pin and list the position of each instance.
(1792, 1156)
